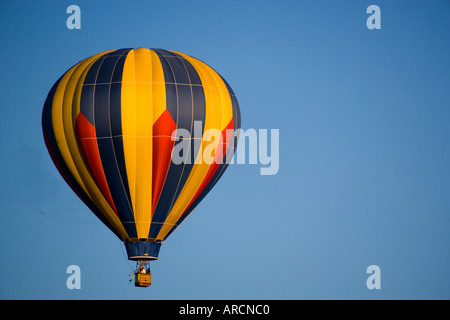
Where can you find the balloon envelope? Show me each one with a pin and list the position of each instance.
(112, 124)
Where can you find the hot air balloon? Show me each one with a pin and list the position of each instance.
(109, 125)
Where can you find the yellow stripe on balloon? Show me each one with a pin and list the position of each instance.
(137, 129)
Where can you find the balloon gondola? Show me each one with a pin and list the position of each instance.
(111, 124)
(142, 275)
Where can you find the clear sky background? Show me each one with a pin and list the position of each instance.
(364, 178)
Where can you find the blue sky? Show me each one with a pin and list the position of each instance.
(364, 178)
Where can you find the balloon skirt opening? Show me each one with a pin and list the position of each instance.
(142, 250)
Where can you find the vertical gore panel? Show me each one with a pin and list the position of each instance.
(105, 104)
(186, 104)
(143, 140)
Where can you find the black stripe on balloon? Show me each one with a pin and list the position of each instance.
(104, 93)
(55, 154)
(116, 118)
(185, 101)
(87, 93)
